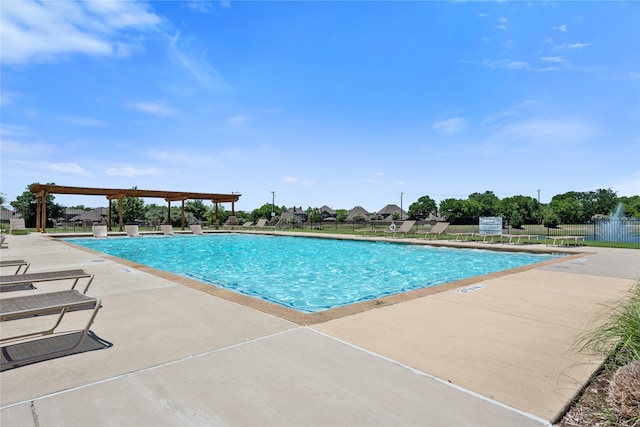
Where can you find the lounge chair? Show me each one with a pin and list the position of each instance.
(435, 231)
(370, 230)
(196, 228)
(48, 303)
(17, 224)
(16, 280)
(99, 231)
(463, 237)
(564, 240)
(132, 230)
(404, 229)
(491, 237)
(518, 238)
(262, 223)
(3, 238)
(167, 229)
(16, 263)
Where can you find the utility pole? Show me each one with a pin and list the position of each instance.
(401, 206)
(273, 204)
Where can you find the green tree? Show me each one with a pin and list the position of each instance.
(520, 209)
(314, 216)
(568, 207)
(264, 211)
(631, 206)
(132, 209)
(484, 204)
(341, 215)
(154, 212)
(453, 210)
(27, 206)
(599, 202)
(422, 208)
(575, 207)
(196, 208)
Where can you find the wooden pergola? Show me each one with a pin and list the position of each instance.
(42, 190)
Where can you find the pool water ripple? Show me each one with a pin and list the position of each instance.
(308, 274)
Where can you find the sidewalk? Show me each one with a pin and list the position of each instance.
(500, 355)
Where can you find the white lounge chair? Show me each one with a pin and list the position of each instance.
(434, 231)
(99, 231)
(167, 229)
(196, 228)
(132, 230)
(17, 224)
(403, 229)
(262, 223)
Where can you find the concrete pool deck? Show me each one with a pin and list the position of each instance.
(498, 354)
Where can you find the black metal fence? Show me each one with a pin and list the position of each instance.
(615, 230)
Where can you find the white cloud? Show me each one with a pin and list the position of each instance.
(554, 59)
(197, 65)
(295, 180)
(237, 120)
(566, 46)
(69, 168)
(579, 45)
(450, 126)
(8, 97)
(562, 28)
(155, 108)
(131, 172)
(516, 65)
(83, 121)
(202, 6)
(546, 132)
(43, 31)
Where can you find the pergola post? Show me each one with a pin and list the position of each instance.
(120, 216)
(183, 214)
(109, 214)
(38, 203)
(168, 212)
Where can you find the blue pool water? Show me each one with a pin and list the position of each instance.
(308, 274)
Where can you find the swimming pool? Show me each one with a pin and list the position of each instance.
(308, 274)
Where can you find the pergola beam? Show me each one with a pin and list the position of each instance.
(42, 190)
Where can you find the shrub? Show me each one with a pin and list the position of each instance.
(551, 221)
(516, 220)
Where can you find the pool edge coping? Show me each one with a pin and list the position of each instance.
(308, 319)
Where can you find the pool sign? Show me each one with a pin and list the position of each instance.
(490, 225)
(471, 288)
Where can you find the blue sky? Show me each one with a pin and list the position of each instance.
(336, 103)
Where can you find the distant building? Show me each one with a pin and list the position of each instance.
(327, 213)
(7, 214)
(358, 211)
(387, 212)
(294, 212)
